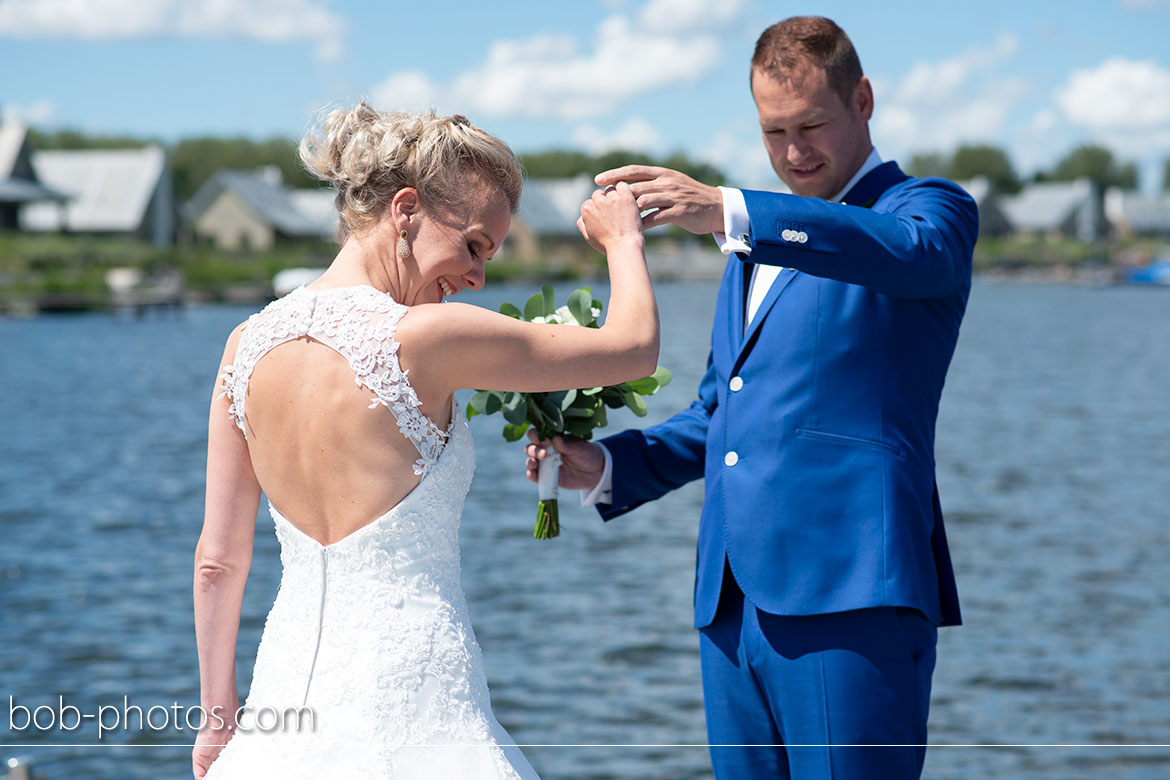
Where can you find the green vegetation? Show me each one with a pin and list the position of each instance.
(1089, 160)
(563, 163)
(1097, 164)
(967, 162)
(33, 267)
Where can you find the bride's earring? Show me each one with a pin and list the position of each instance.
(403, 247)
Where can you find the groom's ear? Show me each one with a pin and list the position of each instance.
(863, 99)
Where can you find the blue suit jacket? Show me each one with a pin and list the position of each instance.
(819, 456)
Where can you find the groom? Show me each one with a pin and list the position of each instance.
(823, 568)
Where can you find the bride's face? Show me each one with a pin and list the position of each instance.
(450, 246)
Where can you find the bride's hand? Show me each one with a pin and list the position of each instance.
(609, 217)
(582, 462)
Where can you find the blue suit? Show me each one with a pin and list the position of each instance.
(814, 429)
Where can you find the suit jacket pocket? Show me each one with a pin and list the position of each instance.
(850, 441)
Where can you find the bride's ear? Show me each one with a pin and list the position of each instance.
(404, 207)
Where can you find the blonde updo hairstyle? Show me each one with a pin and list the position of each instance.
(369, 156)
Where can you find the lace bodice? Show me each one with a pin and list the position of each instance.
(357, 322)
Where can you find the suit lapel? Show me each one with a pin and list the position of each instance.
(738, 303)
(864, 194)
(782, 280)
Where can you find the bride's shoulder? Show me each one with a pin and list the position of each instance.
(430, 322)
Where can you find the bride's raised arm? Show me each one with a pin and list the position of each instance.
(454, 345)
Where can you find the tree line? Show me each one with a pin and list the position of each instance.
(195, 160)
(1089, 160)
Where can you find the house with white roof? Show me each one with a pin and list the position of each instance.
(253, 210)
(992, 220)
(19, 184)
(1134, 213)
(547, 215)
(1065, 208)
(112, 192)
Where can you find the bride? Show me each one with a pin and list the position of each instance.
(337, 401)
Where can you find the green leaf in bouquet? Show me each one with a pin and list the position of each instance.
(635, 402)
(515, 432)
(569, 398)
(599, 417)
(582, 428)
(613, 397)
(511, 311)
(515, 408)
(494, 402)
(470, 411)
(576, 412)
(663, 376)
(580, 304)
(486, 401)
(534, 307)
(549, 299)
(550, 407)
(647, 385)
(591, 390)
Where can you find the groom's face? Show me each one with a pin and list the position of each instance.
(816, 140)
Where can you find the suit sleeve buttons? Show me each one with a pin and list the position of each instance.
(731, 458)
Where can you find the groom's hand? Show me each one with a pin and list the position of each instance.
(582, 462)
(679, 199)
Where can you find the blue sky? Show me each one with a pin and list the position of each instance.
(1034, 77)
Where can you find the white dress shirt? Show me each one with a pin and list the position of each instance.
(736, 237)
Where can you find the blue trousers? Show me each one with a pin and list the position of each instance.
(795, 696)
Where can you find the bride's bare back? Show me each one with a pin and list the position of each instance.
(326, 460)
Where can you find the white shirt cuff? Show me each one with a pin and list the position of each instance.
(602, 492)
(736, 235)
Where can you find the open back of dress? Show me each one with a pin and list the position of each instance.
(369, 638)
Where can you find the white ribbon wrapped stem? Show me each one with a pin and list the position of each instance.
(547, 471)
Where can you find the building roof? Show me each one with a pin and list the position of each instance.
(11, 142)
(291, 212)
(979, 189)
(1137, 211)
(109, 189)
(550, 207)
(18, 178)
(1046, 205)
(23, 190)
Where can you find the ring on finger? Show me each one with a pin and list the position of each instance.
(608, 189)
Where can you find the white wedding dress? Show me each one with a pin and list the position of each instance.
(370, 633)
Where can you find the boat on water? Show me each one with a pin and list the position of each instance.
(1156, 273)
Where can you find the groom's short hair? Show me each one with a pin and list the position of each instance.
(813, 40)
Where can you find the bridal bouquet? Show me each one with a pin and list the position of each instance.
(574, 412)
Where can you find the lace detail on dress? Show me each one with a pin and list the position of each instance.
(357, 322)
(372, 634)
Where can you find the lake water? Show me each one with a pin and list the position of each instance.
(1054, 470)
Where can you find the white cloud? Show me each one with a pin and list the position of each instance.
(634, 135)
(548, 75)
(38, 113)
(934, 82)
(407, 90)
(1117, 94)
(265, 20)
(684, 16)
(940, 104)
